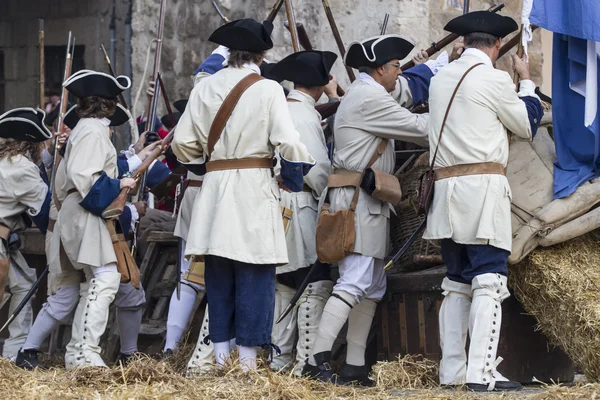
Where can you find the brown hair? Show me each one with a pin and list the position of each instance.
(12, 147)
(237, 58)
(96, 107)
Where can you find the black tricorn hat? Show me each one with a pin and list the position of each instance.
(180, 105)
(54, 114)
(266, 71)
(484, 22)
(309, 68)
(244, 34)
(376, 51)
(166, 120)
(87, 83)
(25, 124)
(118, 118)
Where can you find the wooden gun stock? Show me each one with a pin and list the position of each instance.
(515, 40)
(116, 208)
(328, 109)
(276, 7)
(437, 46)
(307, 45)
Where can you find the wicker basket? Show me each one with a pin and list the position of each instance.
(421, 254)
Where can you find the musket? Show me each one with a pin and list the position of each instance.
(338, 38)
(437, 46)
(300, 290)
(385, 23)
(327, 109)
(132, 125)
(274, 11)
(116, 207)
(307, 45)
(515, 40)
(153, 101)
(289, 10)
(166, 100)
(42, 68)
(61, 115)
(223, 17)
(26, 299)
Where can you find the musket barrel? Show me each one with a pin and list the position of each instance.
(337, 37)
(42, 66)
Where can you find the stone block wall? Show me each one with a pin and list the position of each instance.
(190, 22)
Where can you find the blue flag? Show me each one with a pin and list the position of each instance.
(575, 95)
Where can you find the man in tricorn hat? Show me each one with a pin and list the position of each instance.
(309, 71)
(470, 210)
(368, 120)
(236, 224)
(24, 197)
(86, 183)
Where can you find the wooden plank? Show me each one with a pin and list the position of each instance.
(162, 237)
(429, 280)
(403, 327)
(421, 316)
(384, 338)
(149, 257)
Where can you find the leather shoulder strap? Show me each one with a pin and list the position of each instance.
(448, 111)
(218, 124)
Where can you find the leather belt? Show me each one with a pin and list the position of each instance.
(343, 178)
(485, 168)
(194, 183)
(71, 191)
(51, 223)
(239, 163)
(4, 232)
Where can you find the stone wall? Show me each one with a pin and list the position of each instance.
(190, 22)
(87, 19)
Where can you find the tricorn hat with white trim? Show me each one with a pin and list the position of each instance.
(484, 22)
(376, 51)
(25, 124)
(118, 118)
(309, 68)
(244, 34)
(86, 83)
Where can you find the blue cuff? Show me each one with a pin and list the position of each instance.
(125, 221)
(330, 150)
(292, 174)
(122, 165)
(418, 79)
(104, 192)
(535, 112)
(158, 173)
(43, 216)
(211, 65)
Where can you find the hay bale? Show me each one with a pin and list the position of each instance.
(560, 287)
(406, 372)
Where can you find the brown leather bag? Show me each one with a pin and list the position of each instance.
(427, 180)
(382, 186)
(125, 263)
(336, 231)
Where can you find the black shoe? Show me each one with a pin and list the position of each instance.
(325, 373)
(124, 359)
(354, 374)
(28, 359)
(310, 371)
(167, 353)
(501, 386)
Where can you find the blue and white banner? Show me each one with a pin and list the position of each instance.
(575, 94)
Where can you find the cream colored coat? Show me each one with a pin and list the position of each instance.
(367, 114)
(84, 236)
(236, 215)
(302, 228)
(21, 190)
(474, 209)
(184, 216)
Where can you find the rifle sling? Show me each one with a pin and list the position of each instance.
(222, 116)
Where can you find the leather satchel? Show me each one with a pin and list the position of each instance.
(336, 231)
(382, 186)
(427, 180)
